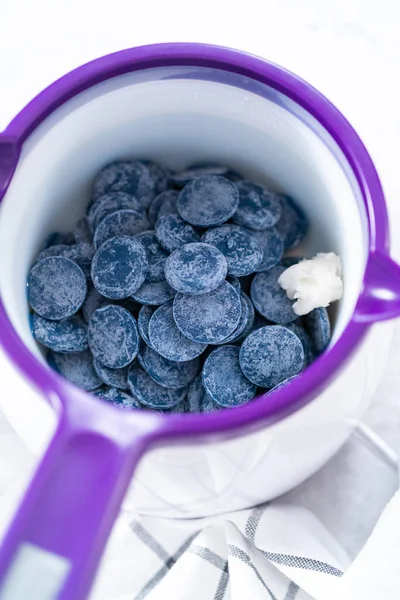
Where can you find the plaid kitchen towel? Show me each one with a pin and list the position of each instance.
(276, 551)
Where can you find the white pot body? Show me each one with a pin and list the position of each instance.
(179, 116)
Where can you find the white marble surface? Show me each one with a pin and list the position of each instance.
(349, 49)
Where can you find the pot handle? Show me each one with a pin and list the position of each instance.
(56, 540)
(9, 156)
(380, 296)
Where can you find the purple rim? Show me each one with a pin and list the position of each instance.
(267, 409)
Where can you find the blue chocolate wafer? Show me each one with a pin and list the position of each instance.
(270, 299)
(119, 267)
(131, 177)
(283, 384)
(66, 336)
(224, 380)
(82, 232)
(173, 232)
(196, 269)
(308, 345)
(115, 378)
(113, 336)
(154, 293)
(56, 288)
(166, 338)
(77, 368)
(121, 222)
(149, 393)
(118, 398)
(110, 203)
(319, 328)
(259, 208)
(242, 252)
(93, 301)
(160, 176)
(143, 322)
(209, 318)
(197, 170)
(81, 254)
(293, 224)
(167, 373)
(163, 204)
(156, 256)
(246, 309)
(207, 201)
(271, 245)
(271, 354)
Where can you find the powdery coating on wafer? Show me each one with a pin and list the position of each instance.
(131, 177)
(118, 398)
(208, 201)
(173, 232)
(208, 318)
(56, 288)
(156, 256)
(113, 336)
(121, 222)
(77, 368)
(242, 252)
(109, 203)
(154, 293)
(149, 393)
(270, 299)
(224, 380)
(167, 340)
(271, 245)
(270, 355)
(119, 267)
(116, 378)
(167, 373)
(293, 224)
(196, 269)
(145, 314)
(66, 336)
(318, 326)
(259, 208)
